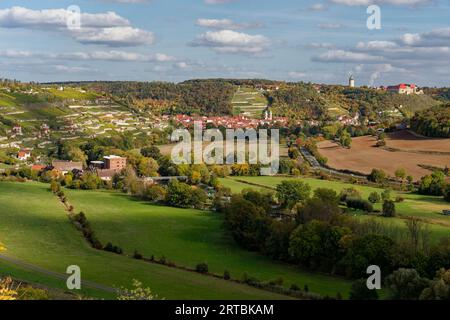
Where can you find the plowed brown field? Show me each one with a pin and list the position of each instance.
(404, 150)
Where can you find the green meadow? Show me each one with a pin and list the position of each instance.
(35, 229)
(187, 237)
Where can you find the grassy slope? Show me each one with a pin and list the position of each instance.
(425, 207)
(35, 229)
(186, 237)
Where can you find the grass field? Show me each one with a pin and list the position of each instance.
(427, 208)
(34, 228)
(186, 237)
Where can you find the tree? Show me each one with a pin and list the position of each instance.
(439, 288)
(345, 139)
(148, 167)
(151, 152)
(318, 209)
(247, 222)
(406, 284)
(366, 250)
(400, 174)
(432, 184)
(360, 291)
(447, 192)
(386, 195)
(377, 176)
(389, 209)
(317, 244)
(155, 193)
(290, 192)
(374, 197)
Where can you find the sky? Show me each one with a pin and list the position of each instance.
(320, 41)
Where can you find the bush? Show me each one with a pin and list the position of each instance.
(114, 249)
(202, 268)
(349, 193)
(388, 209)
(374, 197)
(399, 199)
(137, 255)
(359, 204)
(294, 287)
(386, 195)
(226, 275)
(359, 291)
(377, 176)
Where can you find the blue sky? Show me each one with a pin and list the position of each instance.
(321, 41)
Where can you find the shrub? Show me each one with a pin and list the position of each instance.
(137, 255)
(30, 293)
(349, 193)
(399, 199)
(359, 204)
(114, 249)
(294, 287)
(374, 197)
(359, 291)
(386, 195)
(377, 176)
(388, 209)
(277, 282)
(226, 275)
(202, 267)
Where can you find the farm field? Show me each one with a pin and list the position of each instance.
(35, 229)
(364, 156)
(427, 208)
(187, 237)
(407, 141)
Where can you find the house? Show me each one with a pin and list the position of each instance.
(37, 167)
(404, 88)
(113, 162)
(66, 166)
(24, 154)
(45, 129)
(17, 130)
(105, 174)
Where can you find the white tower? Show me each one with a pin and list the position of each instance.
(351, 82)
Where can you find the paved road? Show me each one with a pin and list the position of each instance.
(62, 276)
(316, 165)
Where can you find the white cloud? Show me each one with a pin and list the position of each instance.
(112, 55)
(228, 41)
(347, 56)
(115, 37)
(317, 7)
(226, 24)
(435, 38)
(100, 28)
